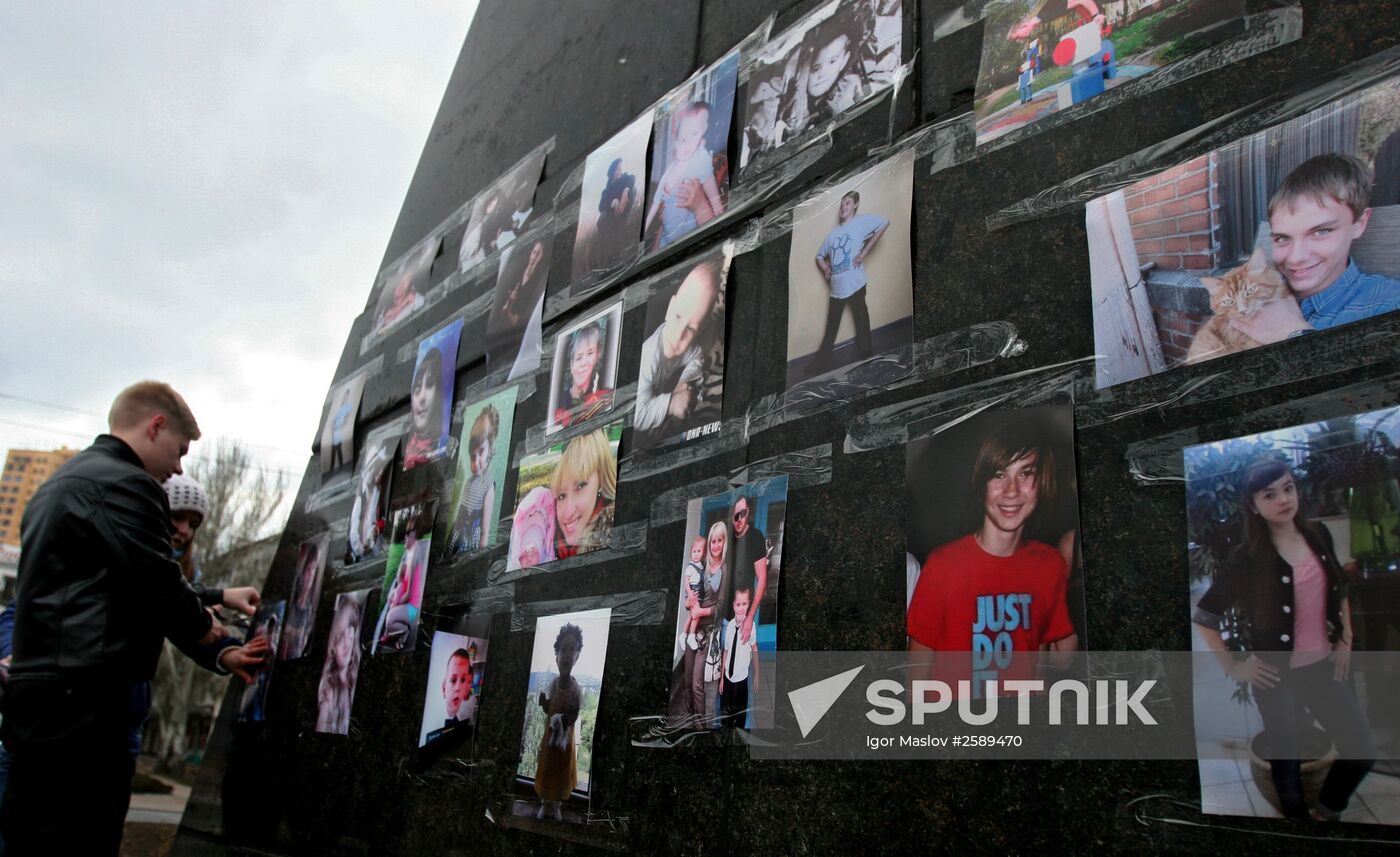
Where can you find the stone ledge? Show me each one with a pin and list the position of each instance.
(1177, 290)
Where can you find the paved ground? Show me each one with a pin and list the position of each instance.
(151, 822)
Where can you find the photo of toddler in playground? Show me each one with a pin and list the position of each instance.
(1280, 235)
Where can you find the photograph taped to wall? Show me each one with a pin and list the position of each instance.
(369, 513)
(338, 433)
(565, 499)
(1042, 56)
(267, 623)
(483, 458)
(405, 575)
(680, 382)
(836, 57)
(430, 397)
(336, 692)
(726, 633)
(306, 592)
(456, 673)
(401, 290)
(993, 565)
(501, 212)
(554, 779)
(514, 329)
(850, 245)
(689, 184)
(583, 379)
(611, 205)
(1282, 233)
(1293, 539)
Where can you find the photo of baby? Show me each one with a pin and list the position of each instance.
(727, 616)
(689, 183)
(501, 212)
(430, 397)
(1042, 56)
(306, 592)
(369, 513)
(680, 385)
(554, 777)
(565, 499)
(336, 692)
(513, 331)
(267, 623)
(456, 671)
(338, 431)
(584, 373)
(1278, 235)
(1293, 541)
(850, 245)
(611, 205)
(405, 573)
(482, 461)
(993, 566)
(839, 55)
(400, 291)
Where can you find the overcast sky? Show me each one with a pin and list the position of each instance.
(201, 192)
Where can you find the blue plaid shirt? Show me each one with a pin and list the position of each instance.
(1352, 297)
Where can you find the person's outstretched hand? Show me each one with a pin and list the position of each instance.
(245, 661)
(244, 599)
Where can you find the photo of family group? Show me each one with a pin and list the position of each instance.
(405, 574)
(513, 330)
(993, 566)
(689, 184)
(267, 623)
(554, 778)
(402, 288)
(430, 397)
(300, 617)
(456, 672)
(680, 384)
(501, 212)
(836, 57)
(482, 461)
(336, 692)
(338, 431)
(726, 635)
(369, 512)
(611, 205)
(565, 499)
(1042, 56)
(850, 245)
(583, 377)
(1275, 236)
(1294, 545)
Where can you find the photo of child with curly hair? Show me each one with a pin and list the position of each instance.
(342, 667)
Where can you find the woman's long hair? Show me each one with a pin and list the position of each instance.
(1257, 476)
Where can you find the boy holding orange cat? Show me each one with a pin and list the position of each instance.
(1314, 216)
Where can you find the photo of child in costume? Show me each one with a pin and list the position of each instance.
(554, 776)
(585, 368)
(430, 397)
(336, 692)
(567, 497)
(690, 154)
(482, 462)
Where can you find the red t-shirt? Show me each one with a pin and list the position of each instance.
(968, 600)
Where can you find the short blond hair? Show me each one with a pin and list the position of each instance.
(1345, 178)
(142, 400)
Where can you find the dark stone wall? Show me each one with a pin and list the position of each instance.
(534, 68)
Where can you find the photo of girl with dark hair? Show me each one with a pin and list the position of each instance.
(430, 397)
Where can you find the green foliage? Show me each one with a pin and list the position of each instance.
(534, 732)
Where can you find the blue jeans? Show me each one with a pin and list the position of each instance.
(1288, 710)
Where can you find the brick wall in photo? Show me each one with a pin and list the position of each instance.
(1175, 216)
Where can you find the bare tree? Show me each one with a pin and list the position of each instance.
(233, 547)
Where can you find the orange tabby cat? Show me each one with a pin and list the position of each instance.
(1238, 294)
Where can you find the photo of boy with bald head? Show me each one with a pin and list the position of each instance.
(681, 380)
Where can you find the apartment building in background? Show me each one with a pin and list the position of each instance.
(25, 470)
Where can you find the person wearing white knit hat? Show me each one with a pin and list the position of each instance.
(189, 506)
